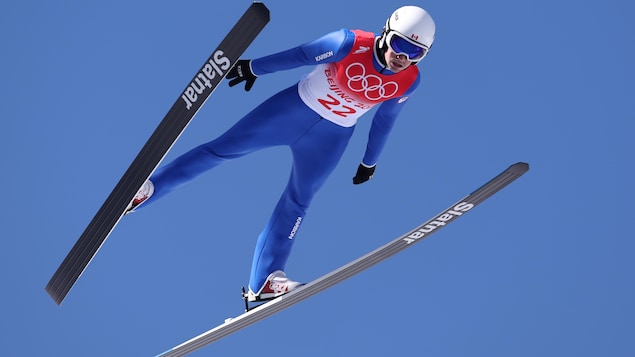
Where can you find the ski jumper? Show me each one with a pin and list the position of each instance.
(315, 118)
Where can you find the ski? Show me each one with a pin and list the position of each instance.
(160, 142)
(429, 227)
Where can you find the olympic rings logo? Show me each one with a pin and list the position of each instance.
(372, 85)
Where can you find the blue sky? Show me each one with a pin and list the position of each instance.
(544, 268)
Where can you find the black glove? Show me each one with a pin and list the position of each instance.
(364, 173)
(242, 72)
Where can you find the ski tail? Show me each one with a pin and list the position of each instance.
(155, 149)
(346, 271)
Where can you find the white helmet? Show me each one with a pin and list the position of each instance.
(413, 24)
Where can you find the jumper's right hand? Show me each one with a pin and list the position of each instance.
(242, 72)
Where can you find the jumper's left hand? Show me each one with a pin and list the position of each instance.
(364, 173)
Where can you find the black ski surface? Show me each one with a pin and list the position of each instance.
(346, 271)
(160, 142)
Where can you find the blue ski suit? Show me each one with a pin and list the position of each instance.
(315, 118)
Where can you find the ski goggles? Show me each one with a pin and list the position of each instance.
(404, 46)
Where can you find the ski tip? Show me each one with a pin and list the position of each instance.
(260, 6)
(519, 168)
